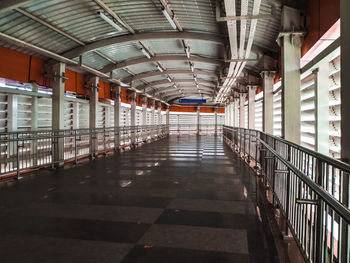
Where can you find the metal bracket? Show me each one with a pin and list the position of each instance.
(56, 76)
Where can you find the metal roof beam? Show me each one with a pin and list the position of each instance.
(137, 61)
(218, 39)
(175, 81)
(12, 4)
(171, 72)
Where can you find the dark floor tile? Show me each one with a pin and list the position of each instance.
(209, 219)
(199, 238)
(212, 195)
(35, 249)
(84, 229)
(140, 254)
(107, 199)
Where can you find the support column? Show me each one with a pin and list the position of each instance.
(159, 119)
(198, 121)
(144, 111)
(321, 109)
(216, 121)
(133, 118)
(236, 112)
(117, 109)
(153, 104)
(167, 119)
(242, 97)
(345, 118)
(251, 107)
(34, 123)
(345, 79)
(268, 81)
(12, 108)
(94, 88)
(291, 54)
(58, 84)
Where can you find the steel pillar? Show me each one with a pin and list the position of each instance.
(268, 81)
(216, 121)
(153, 105)
(236, 112)
(58, 85)
(198, 120)
(117, 109)
(133, 118)
(345, 117)
(251, 107)
(242, 97)
(144, 111)
(94, 88)
(291, 54)
(34, 123)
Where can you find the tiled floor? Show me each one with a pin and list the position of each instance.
(182, 199)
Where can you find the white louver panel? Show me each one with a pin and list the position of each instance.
(24, 113)
(111, 117)
(3, 112)
(277, 114)
(101, 116)
(156, 117)
(207, 119)
(173, 119)
(308, 112)
(125, 116)
(148, 117)
(334, 108)
(68, 114)
(138, 117)
(221, 119)
(44, 114)
(84, 115)
(259, 115)
(163, 117)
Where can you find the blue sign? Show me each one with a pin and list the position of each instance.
(192, 101)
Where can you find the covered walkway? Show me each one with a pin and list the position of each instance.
(179, 199)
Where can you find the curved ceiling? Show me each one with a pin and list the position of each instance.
(168, 48)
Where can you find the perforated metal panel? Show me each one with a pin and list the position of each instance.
(308, 112)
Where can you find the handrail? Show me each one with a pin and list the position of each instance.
(338, 164)
(310, 190)
(335, 204)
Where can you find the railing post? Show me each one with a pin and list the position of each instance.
(75, 148)
(17, 157)
(320, 213)
(288, 192)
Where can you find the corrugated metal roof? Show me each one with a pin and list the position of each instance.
(79, 19)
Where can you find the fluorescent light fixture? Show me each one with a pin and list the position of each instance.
(195, 78)
(168, 17)
(192, 67)
(169, 79)
(144, 51)
(110, 21)
(187, 50)
(197, 86)
(160, 68)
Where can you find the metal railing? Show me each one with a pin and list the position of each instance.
(21, 151)
(310, 189)
(204, 129)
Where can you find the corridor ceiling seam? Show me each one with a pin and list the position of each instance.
(75, 32)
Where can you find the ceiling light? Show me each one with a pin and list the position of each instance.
(167, 16)
(145, 52)
(160, 68)
(195, 78)
(110, 21)
(187, 50)
(192, 67)
(169, 79)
